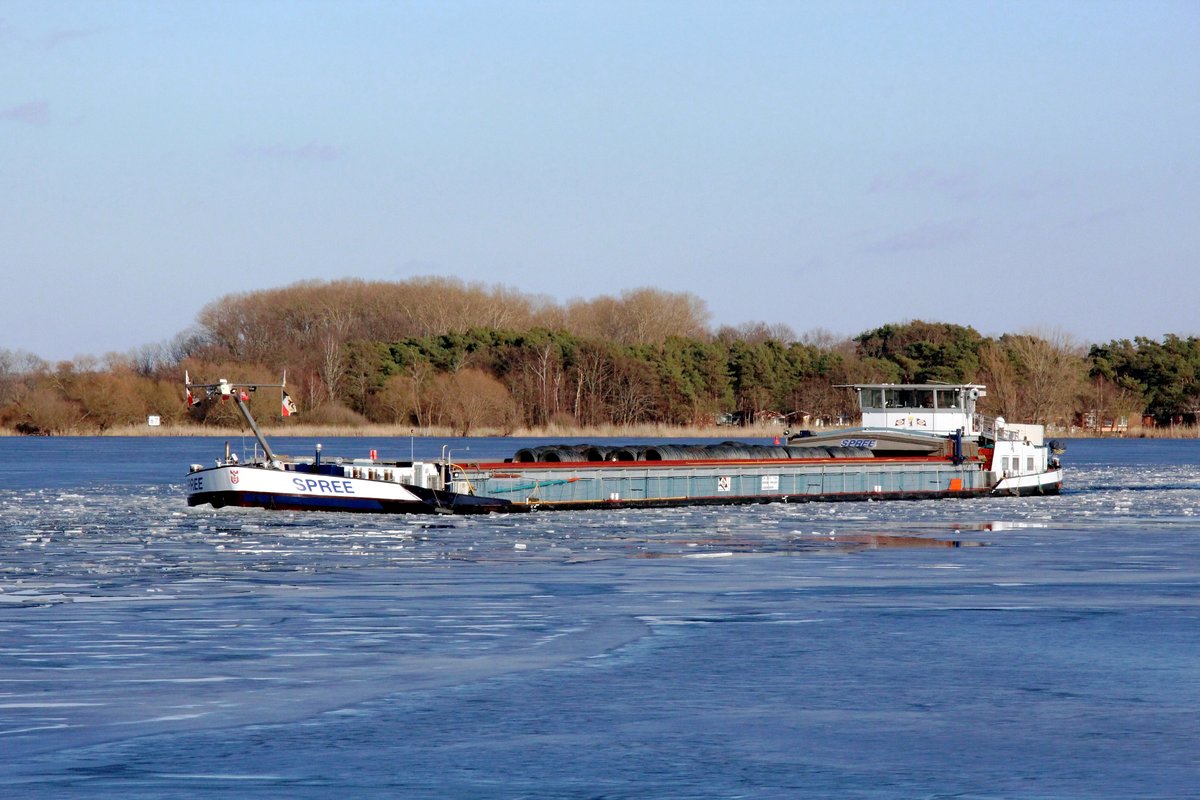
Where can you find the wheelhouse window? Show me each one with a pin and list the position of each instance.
(948, 398)
(908, 398)
(912, 398)
(871, 398)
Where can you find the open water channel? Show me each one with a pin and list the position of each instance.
(996, 648)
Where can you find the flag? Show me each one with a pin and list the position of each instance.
(289, 407)
(187, 384)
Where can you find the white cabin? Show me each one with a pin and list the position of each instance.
(937, 408)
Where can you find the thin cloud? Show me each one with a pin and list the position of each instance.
(1036, 186)
(929, 236)
(65, 35)
(35, 113)
(310, 152)
(1102, 217)
(960, 185)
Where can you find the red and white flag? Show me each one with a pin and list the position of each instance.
(289, 407)
(187, 384)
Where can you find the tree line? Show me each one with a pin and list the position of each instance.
(440, 353)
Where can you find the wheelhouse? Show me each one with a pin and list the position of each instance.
(936, 408)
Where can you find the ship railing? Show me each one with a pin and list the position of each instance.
(998, 433)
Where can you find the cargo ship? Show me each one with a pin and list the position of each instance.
(916, 441)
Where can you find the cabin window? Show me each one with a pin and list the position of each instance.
(1030, 467)
(872, 398)
(900, 398)
(908, 398)
(948, 398)
(1004, 464)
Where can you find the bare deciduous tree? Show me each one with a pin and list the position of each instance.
(1052, 374)
(640, 316)
(471, 399)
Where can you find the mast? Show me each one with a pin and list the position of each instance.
(262, 440)
(226, 389)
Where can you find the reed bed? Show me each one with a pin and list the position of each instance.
(560, 431)
(367, 431)
(1139, 432)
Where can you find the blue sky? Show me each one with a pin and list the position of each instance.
(1011, 166)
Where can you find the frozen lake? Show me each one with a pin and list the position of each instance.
(998, 648)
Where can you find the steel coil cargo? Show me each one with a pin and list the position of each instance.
(678, 452)
(759, 452)
(772, 451)
(526, 455)
(807, 452)
(851, 452)
(551, 454)
(725, 451)
(628, 454)
(564, 453)
(597, 453)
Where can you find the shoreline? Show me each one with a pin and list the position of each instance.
(550, 432)
(394, 431)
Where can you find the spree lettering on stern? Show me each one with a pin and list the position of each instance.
(327, 486)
